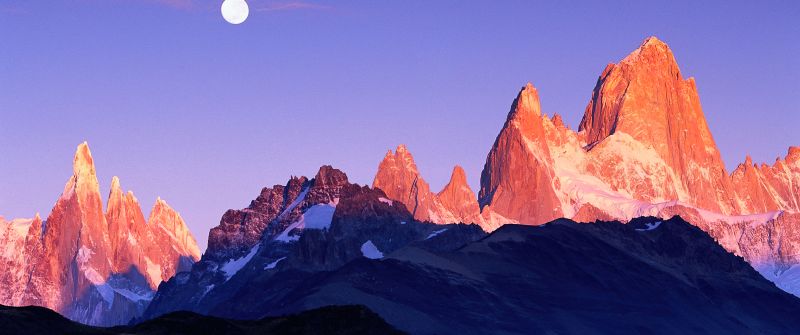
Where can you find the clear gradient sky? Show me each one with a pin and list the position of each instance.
(178, 103)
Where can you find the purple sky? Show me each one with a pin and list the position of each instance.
(180, 104)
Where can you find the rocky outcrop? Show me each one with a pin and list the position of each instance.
(239, 230)
(327, 225)
(172, 246)
(518, 180)
(399, 178)
(93, 267)
(272, 212)
(763, 188)
(13, 262)
(458, 198)
(71, 274)
(646, 97)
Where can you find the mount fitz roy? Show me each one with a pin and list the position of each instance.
(643, 148)
(93, 267)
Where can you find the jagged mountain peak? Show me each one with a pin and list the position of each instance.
(648, 76)
(83, 164)
(399, 164)
(164, 216)
(458, 176)
(526, 106)
(115, 193)
(161, 207)
(644, 97)
(115, 183)
(558, 121)
(84, 177)
(517, 178)
(400, 180)
(402, 149)
(652, 53)
(95, 267)
(329, 176)
(793, 154)
(403, 157)
(459, 199)
(457, 187)
(653, 40)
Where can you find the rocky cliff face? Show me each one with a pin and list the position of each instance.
(646, 97)
(272, 212)
(93, 267)
(518, 180)
(763, 188)
(13, 262)
(399, 178)
(458, 198)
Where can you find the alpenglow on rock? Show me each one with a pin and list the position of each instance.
(93, 267)
(643, 148)
(399, 178)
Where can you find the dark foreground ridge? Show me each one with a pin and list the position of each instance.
(649, 276)
(344, 320)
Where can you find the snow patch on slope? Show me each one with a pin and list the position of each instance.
(274, 264)
(435, 233)
(753, 219)
(639, 166)
(315, 217)
(369, 250)
(786, 279)
(649, 226)
(153, 270)
(92, 275)
(133, 296)
(20, 226)
(205, 291)
(233, 266)
(13, 234)
(297, 201)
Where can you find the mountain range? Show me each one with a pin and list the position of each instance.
(94, 267)
(647, 276)
(629, 224)
(642, 148)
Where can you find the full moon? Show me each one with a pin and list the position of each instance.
(235, 11)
